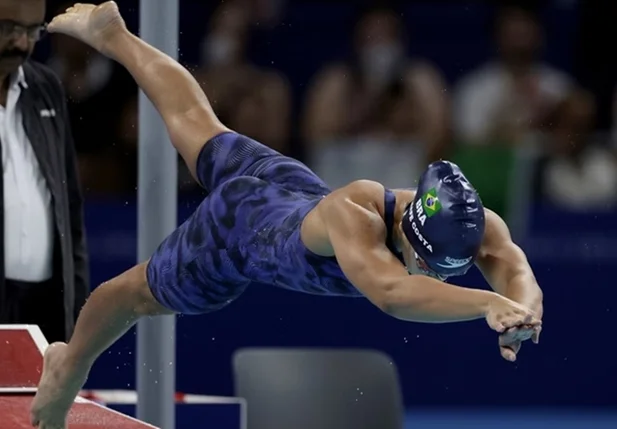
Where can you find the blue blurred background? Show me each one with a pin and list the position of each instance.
(520, 94)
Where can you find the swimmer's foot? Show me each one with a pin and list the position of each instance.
(60, 383)
(93, 25)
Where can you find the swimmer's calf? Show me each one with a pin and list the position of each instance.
(112, 309)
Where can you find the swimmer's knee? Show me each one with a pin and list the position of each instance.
(190, 131)
(134, 284)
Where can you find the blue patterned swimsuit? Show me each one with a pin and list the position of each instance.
(246, 231)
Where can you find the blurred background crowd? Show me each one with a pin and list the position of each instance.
(378, 90)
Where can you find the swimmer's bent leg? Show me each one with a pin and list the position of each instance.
(111, 310)
(194, 271)
(191, 272)
(187, 274)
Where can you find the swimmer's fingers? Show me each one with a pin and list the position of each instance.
(527, 322)
(530, 329)
(532, 320)
(508, 336)
(518, 333)
(511, 339)
(509, 352)
(535, 338)
(495, 325)
(510, 342)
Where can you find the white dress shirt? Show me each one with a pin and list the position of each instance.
(28, 218)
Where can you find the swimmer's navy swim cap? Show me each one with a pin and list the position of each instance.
(445, 221)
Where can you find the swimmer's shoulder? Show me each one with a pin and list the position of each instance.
(364, 193)
(367, 194)
(364, 197)
(496, 233)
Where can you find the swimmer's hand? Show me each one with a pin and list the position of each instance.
(511, 340)
(93, 25)
(504, 314)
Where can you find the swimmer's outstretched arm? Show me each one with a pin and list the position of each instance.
(505, 265)
(177, 96)
(357, 234)
(507, 270)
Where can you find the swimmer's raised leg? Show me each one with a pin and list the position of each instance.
(190, 122)
(177, 96)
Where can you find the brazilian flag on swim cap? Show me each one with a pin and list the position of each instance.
(445, 221)
(430, 202)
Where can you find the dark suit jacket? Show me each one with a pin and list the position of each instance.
(45, 120)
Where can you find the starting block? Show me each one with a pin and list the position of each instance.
(21, 363)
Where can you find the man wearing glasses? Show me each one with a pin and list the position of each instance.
(43, 260)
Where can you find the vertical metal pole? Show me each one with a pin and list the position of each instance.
(157, 217)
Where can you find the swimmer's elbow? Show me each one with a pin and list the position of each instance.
(404, 299)
(395, 307)
(390, 299)
(390, 308)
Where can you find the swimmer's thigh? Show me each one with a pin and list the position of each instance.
(191, 272)
(231, 155)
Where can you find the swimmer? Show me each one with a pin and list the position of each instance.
(268, 219)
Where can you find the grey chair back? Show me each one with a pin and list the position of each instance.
(318, 389)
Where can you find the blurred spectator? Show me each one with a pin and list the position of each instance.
(513, 95)
(249, 99)
(379, 114)
(576, 174)
(613, 132)
(127, 137)
(44, 272)
(96, 89)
